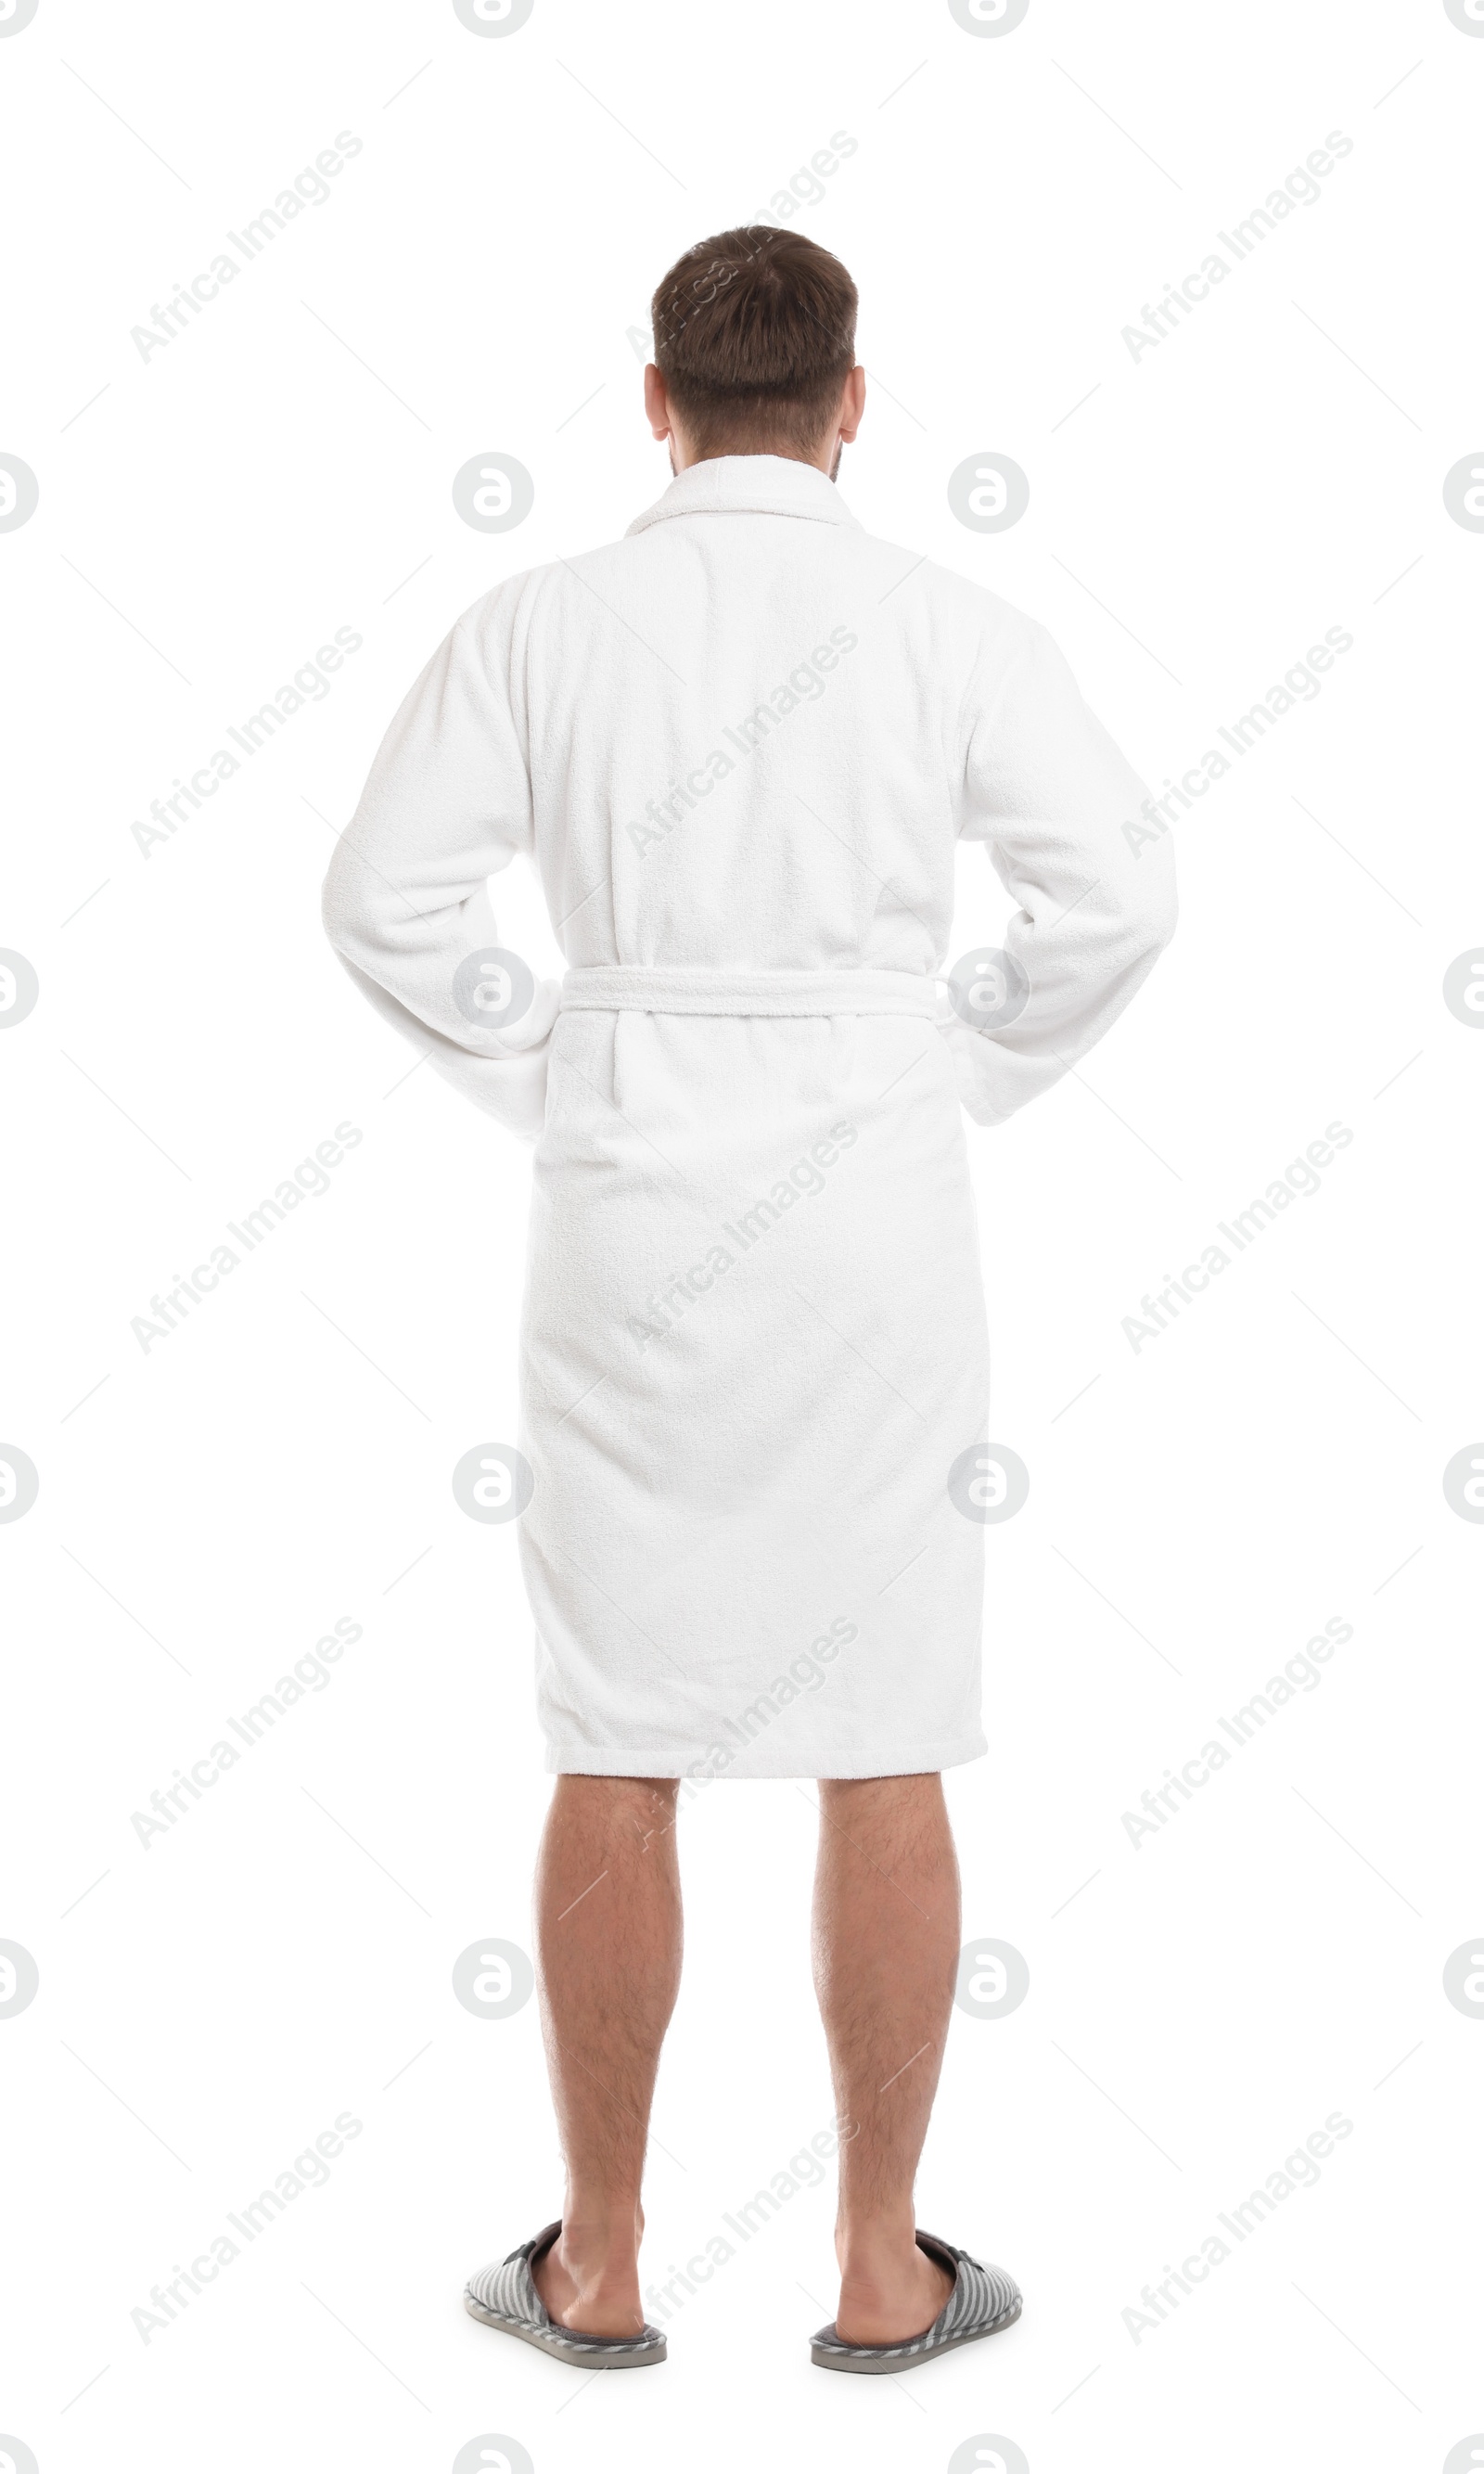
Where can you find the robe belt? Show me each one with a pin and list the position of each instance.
(632, 988)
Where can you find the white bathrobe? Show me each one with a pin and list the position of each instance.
(740, 746)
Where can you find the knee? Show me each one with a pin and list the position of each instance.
(892, 1818)
(587, 1782)
(915, 1787)
(629, 1804)
(647, 1791)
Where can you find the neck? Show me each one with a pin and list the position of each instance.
(828, 463)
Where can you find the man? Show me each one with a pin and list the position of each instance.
(741, 746)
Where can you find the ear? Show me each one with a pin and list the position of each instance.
(657, 410)
(852, 405)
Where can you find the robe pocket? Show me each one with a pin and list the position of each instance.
(580, 1082)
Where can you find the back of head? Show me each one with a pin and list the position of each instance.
(754, 336)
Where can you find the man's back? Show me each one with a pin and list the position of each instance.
(734, 711)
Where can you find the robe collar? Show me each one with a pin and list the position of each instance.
(767, 485)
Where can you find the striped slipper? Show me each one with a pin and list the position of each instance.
(984, 2300)
(505, 2297)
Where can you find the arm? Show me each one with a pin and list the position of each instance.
(1044, 787)
(447, 806)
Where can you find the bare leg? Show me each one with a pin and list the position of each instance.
(608, 1962)
(886, 1951)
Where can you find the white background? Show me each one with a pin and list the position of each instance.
(209, 1507)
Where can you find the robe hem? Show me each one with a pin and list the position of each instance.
(894, 1762)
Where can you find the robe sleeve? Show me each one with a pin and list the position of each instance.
(448, 805)
(1043, 786)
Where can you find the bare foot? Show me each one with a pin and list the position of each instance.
(883, 2306)
(595, 2301)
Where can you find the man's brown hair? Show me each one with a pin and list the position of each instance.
(754, 336)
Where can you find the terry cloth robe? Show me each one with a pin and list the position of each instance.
(739, 747)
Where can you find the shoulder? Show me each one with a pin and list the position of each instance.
(921, 583)
(494, 630)
(498, 607)
(951, 608)
(510, 608)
